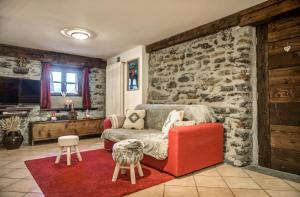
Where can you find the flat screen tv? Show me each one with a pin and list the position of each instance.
(14, 91)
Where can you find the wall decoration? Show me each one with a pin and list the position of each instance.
(21, 66)
(133, 74)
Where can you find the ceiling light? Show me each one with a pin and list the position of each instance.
(77, 33)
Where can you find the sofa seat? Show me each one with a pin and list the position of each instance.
(154, 144)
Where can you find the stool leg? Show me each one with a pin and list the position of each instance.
(116, 172)
(68, 155)
(78, 153)
(59, 155)
(139, 167)
(132, 174)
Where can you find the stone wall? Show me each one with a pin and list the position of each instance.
(215, 70)
(96, 83)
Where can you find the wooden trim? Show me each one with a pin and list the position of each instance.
(251, 16)
(49, 56)
(264, 155)
(266, 13)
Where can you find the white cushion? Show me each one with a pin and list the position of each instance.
(173, 117)
(68, 140)
(184, 123)
(134, 119)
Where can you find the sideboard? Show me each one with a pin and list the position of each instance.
(46, 130)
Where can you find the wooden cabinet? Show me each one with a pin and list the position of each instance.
(45, 130)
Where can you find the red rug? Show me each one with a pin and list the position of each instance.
(91, 177)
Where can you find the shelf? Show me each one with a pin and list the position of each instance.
(63, 109)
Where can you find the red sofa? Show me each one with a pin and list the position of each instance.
(190, 148)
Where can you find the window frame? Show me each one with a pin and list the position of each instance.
(64, 71)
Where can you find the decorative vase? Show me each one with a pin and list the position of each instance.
(12, 139)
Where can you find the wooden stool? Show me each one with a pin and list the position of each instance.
(127, 154)
(66, 142)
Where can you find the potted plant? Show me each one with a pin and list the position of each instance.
(12, 137)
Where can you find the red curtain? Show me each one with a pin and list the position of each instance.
(45, 87)
(86, 101)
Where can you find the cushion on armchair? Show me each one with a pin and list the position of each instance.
(134, 119)
(173, 117)
(117, 121)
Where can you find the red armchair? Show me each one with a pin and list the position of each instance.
(190, 148)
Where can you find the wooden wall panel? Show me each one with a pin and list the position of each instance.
(284, 93)
(290, 75)
(277, 47)
(285, 114)
(286, 137)
(284, 60)
(285, 160)
(284, 28)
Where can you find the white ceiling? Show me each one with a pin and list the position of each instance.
(119, 24)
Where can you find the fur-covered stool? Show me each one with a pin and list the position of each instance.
(67, 142)
(127, 154)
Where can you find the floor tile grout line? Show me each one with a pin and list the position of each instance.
(290, 185)
(225, 182)
(256, 182)
(196, 185)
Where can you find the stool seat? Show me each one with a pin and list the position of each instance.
(68, 140)
(127, 154)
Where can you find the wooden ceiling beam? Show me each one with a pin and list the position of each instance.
(52, 57)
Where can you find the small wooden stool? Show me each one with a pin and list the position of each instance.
(68, 142)
(127, 154)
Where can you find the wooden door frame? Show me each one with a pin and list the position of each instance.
(263, 114)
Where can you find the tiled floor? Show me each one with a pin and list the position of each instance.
(217, 181)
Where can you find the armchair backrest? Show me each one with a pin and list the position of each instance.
(156, 114)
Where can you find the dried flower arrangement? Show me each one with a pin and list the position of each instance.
(10, 124)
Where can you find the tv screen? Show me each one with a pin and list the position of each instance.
(19, 91)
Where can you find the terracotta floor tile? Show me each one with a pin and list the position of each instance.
(294, 184)
(206, 181)
(4, 171)
(154, 191)
(249, 193)
(23, 185)
(214, 192)
(177, 191)
(283, 193)
(182, 181)
(273, 184)
(34, 195)
(257, 175)
(240, 182)
(4, 182)
(207, 172)
(228, 170)
(3, 163)
(11, 194)
(18, 174)
(15, 164)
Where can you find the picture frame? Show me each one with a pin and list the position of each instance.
(133, 74)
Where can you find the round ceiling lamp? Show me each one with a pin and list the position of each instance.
(77, 33)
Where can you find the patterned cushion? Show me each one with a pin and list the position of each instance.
(128, 151)
(173, 117)
(117, 121)
(134, 119)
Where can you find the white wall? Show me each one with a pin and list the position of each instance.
(133, 98)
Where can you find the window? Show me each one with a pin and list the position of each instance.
(65, 81)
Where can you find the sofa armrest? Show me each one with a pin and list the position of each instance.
(106, 124)
(197, 145)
